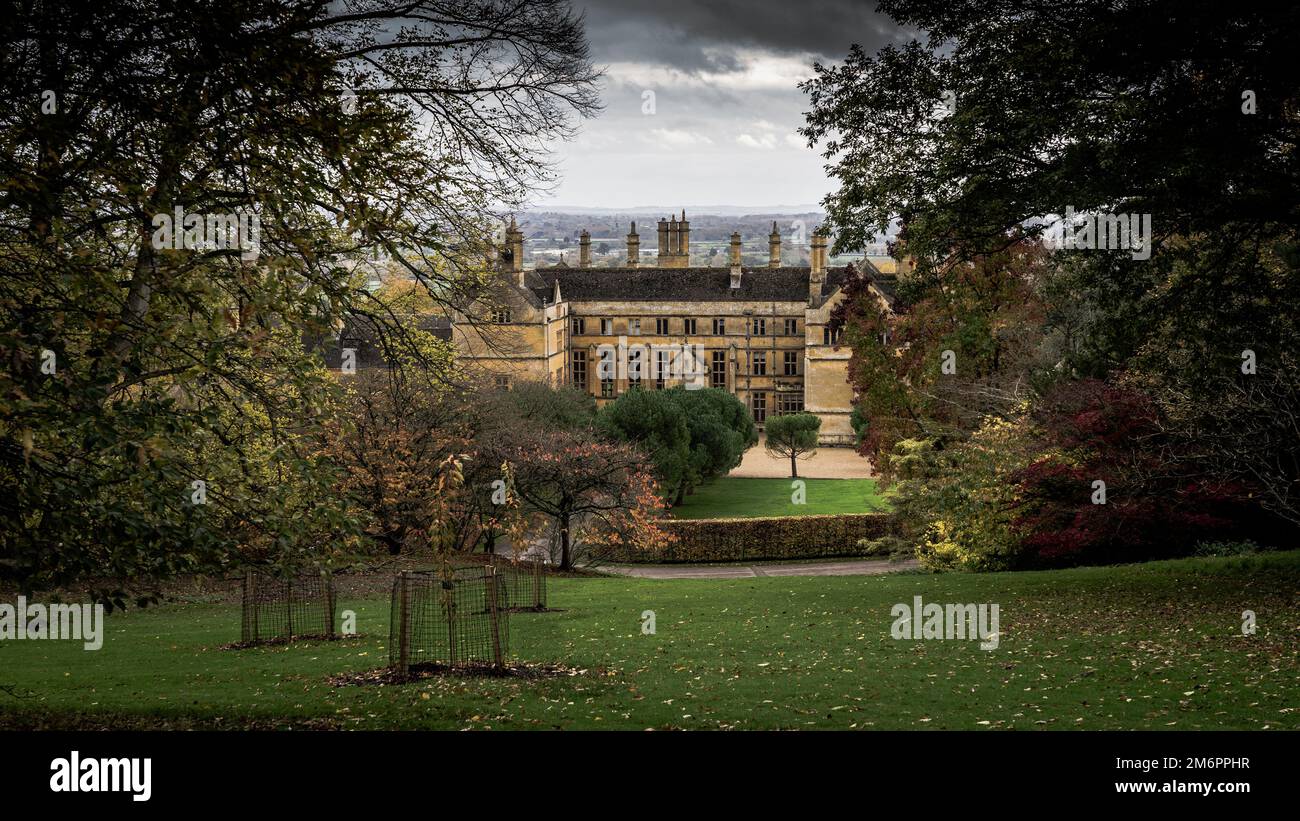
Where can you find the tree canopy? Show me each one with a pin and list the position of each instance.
(137, 368)
(792, 436)
(973, 142)
(692, 436)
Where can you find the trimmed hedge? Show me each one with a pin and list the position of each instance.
(777, 537)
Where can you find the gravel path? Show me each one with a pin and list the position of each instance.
(826, 463)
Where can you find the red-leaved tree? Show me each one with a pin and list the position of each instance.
(1156, 502)
(599, 494)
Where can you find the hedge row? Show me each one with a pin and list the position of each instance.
(785, 537)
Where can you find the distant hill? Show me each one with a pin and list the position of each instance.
(665, 210)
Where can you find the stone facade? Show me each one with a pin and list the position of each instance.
(761, 333)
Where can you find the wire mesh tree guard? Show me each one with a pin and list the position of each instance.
(283, 608)
(524, 580)
(457, 619)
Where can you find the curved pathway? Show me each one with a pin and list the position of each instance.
(849, 567)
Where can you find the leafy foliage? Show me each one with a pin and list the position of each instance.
(690, 435)
(597, 496)
(957, 345)
(973, 141)
(1154, 507)
(175, 366)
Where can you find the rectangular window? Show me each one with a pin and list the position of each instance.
(607, 388)
(634, 326)
(661, 325)
(792, 327)
(661, 368)
(758, 326)
(758, 402)
(829, 337)
(789, 403)
(579, 326)
(718, 370)
(791, 363)
(501, 316)
(580, 370)
(688, 327)
(758, 364)
(634, 368)
(719, 326)
(502, 382)
(607, 327)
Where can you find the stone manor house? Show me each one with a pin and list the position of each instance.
(761, 333)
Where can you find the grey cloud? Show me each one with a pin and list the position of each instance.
(677, 32)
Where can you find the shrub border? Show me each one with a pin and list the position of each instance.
(766, 537)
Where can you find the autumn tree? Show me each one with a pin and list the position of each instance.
(596, 496)
(956, 345)
(137, 366)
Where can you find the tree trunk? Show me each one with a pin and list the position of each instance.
(681, 494)
(794, 468)
(565, 559)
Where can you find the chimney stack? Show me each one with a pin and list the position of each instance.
(584, 249)
(817, 274)
(735, 259)
(674, 242)
(774, 247)
(515, 251)
(819, 252)
(633, 247)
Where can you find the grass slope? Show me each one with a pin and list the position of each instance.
(1141, 646)
(731, 497)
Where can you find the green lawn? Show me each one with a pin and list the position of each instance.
(1144, 646)
(730, 497)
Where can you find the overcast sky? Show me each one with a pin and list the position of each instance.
(726, 106)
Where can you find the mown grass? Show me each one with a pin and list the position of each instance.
(733, 497)
(1142, 646)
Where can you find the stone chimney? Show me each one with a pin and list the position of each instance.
(514, 256)
(774, 247)
(819, 252)
(584, 249)
(674, 242)
(735, 259)
(817, 274)
(633, 247)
